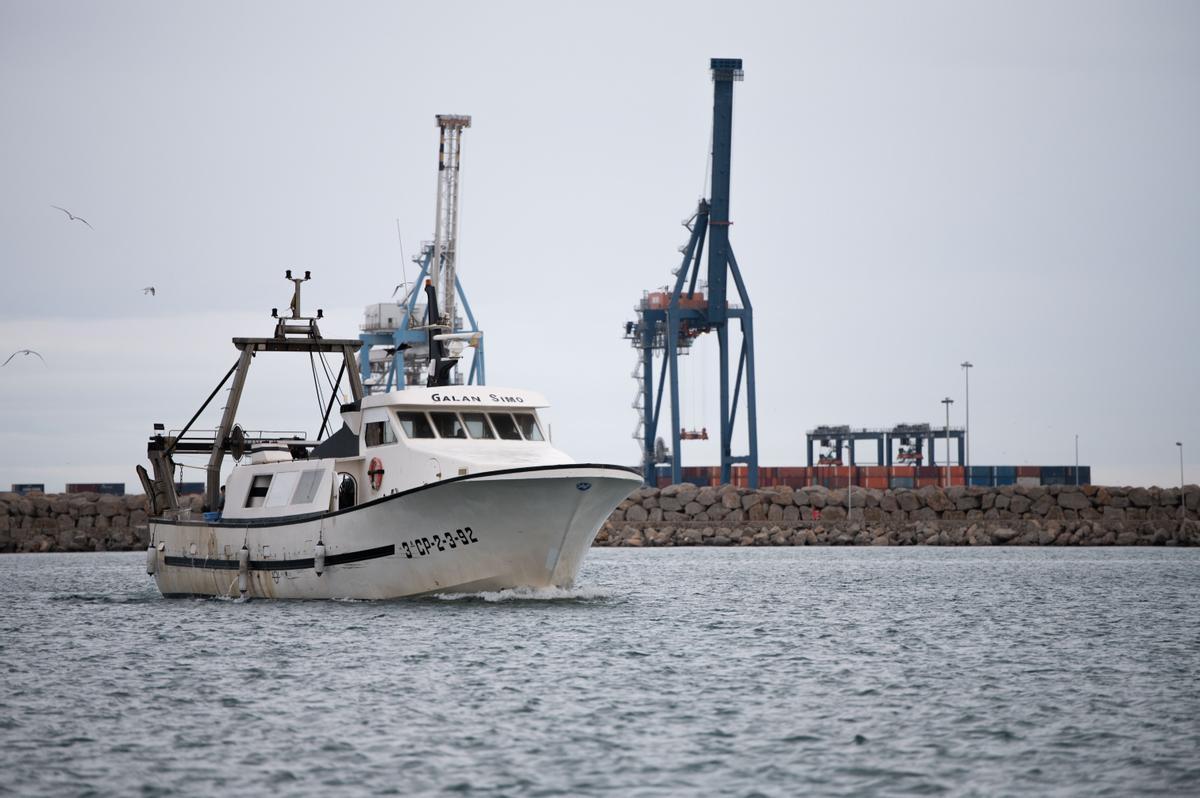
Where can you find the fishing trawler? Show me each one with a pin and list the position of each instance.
(434, 489)
(428, 486)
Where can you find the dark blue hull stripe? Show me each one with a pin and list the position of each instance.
(282, 565)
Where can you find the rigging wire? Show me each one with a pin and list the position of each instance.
(333, 381)
(403, 267)
(328, 371)
(317, 387)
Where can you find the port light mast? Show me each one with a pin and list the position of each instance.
(671, 319)
(404, 330)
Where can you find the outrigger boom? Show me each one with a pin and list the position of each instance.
(294, 333)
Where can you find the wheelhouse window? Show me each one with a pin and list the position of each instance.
(448, 425)
(379, 433)
(415, 425)
(506, 428)
(477, 425)
(258, 490)
(529, 426)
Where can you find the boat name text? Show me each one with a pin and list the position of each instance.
(474, 398)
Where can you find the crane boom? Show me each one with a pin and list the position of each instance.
(445, 236)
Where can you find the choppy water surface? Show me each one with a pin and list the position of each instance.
(684, 671)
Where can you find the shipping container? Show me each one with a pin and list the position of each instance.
(875, 483)
(1029, 471)
(925, 482)
(107, 488)
(1029, 482)
(981, 476)
(1055, 475)
(908, 472)
(25, 488)
(189, 488)
(1006, 475)
(928, 472)
(903, 482)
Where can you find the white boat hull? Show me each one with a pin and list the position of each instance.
(528, 527)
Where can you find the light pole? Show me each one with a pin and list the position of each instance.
(850, 498)
(947, 402)
(1182, 503)
(1077, 459)
(966, 367)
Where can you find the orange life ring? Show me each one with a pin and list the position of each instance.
(375, 472)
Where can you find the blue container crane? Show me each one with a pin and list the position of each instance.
(671, 321)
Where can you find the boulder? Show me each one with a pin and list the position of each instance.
(1074, 499)
(1140, 497)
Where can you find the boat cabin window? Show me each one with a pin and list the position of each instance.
(415, 425)
(306, 488)
(477, 425)
(258, 490)
(347, 491)
(379, 433)
(506, 428)
(448, 425)
(529, 426)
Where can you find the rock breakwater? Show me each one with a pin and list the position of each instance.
(75, 522)
(685, 515)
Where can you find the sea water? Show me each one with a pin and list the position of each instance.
(764, 671)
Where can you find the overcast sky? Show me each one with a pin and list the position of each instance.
(914, 184)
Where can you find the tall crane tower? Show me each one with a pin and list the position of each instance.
(445, 232)
(670, 320)
(422, 337)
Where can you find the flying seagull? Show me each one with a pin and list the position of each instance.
(72, 217)
(148, 290)
(26, 352)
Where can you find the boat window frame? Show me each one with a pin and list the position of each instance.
(515, 426)
(307, 486)
(487, 425)
(466, 436)
(258, 490)
(389, 431)
(428, 423)
(537, 426)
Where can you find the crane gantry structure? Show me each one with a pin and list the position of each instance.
(668, 321)
(419, 338)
